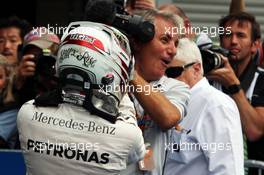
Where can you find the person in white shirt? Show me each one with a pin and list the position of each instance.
(88, 126)
(164, 101)
(210, 139)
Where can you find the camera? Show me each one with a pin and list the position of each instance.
(45, 63)
(43, 58)
(212, 57)
(112, 12)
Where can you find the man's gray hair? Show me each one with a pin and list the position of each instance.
(151, 14)
(188, 52)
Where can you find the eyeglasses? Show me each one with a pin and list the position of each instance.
(174, 72)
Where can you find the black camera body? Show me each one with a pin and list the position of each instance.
(212, 57)
(45, 64)
(112, 12)
(43, 59)
(133, 25)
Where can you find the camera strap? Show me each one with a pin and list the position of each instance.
(247, 77)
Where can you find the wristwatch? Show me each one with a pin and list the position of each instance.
(233, 89)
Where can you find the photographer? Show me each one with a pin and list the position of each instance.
(80, 127)
(36, 70)
(242, 79)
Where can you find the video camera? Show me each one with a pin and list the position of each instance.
(112, 12)
(212, 57)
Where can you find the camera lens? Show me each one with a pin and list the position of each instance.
(211, 60)
(218, 61)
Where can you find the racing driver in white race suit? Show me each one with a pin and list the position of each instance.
(87, 125)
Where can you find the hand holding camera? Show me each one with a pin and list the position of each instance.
(224, 75)
(35, 65)
(212, 58)
(25, 69)
(27, 66)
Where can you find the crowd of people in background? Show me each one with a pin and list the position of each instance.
(223, 108)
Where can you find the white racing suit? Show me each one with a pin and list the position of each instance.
(69, 140)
